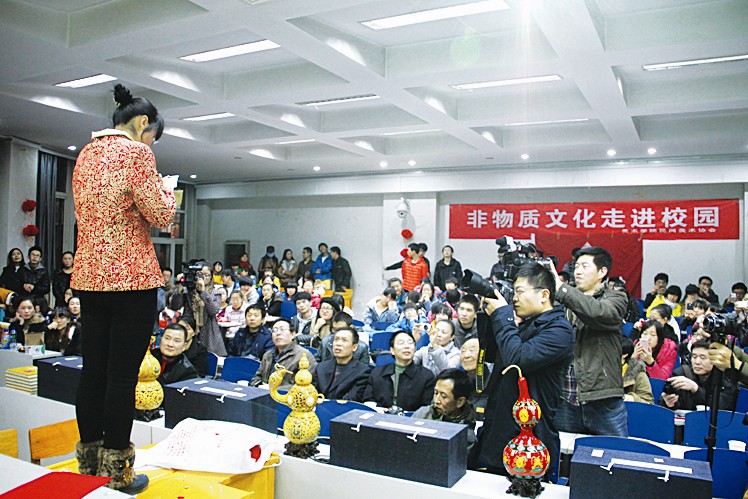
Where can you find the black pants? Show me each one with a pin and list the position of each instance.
(116, 330)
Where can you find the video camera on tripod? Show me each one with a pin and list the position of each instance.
(189, 273)
(516, 254)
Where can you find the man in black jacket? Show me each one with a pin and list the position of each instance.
(342, 377)
(175, 366)
(403, 384)
(255, 339)
(447, 267)
(542, 346)
(341, 270)
(37, 282)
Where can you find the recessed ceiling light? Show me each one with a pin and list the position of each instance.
(72, 148)
(340, 100)
(693, 62)
(503, 83)
(436, 14)
(88, 81)
(408, 132)
(207, 117)
(419, 172)
(245, 48)
(193, 176)
(652, 150)
(412, 162)
(316, 168)
(287, 142)
(383, 164)
(611, 152)
(550, 122)
(525, 156)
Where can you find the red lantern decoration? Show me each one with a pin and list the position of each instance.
(404, 252)
(30, 230)
(526, 458)
(407, 233)
(28, 206)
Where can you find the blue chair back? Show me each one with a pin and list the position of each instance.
(651, 422)
(330, 409)
(212, 365)
(380, 326)
(657, 386)
(384, 359)
(239, 368)
(729, 473)
(311, 349)
(729, 427)
(627, 327)
(288, 309)
(742, 405)
(380, 341)
(357, 324)
(620, 443)
(641, 306)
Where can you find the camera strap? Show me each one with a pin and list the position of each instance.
(479, 380)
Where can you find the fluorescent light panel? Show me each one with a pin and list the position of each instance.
(408, 132)
(86, 82)
(245, 48)
(694, 62)
(287, 142)
(503, 83)
(551, 122)
(207, 117)
(341, 100)
(425, 16)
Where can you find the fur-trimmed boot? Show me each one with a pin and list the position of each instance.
(118, 465)
(88, 457)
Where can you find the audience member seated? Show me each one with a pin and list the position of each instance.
(428, 296)
(397, 284)
(636, 383)
(316, 299)
(466, 325)
(342, 377)
(441, 352)
(287, 268)
(451, 402)
(269, 278)
(289, 293)
(692, 312)
(271, 301)
(382, 308)
(175, 366)
(341, 320)
(194, 349)
(402, 384)
(697, 334)
(322, 324)
(661, 281)
(249, 293)
(74, 305)
(738, 292)
(439, 311)
(217, 269)
(633, 313)
(245, 266)
(656, 351)
(661, 314)
(255, 339)
(691, 386)
(671, 298)
(410, 321)
(62, 333)
(232, 317)
(285, 352)
(26, 320)
(469, 356)
(706, 292)
(304, 318)
(452, 298)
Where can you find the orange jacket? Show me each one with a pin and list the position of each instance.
(413, 273)
(118, 196)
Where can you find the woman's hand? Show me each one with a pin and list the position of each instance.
(643, 353)
(52, 326)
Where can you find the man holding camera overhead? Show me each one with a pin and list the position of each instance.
(592, 395)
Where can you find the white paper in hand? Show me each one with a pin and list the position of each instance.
(170, 181)
(214, 446)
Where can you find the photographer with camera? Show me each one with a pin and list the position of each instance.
(542, 346)
(592, 398)
(733, 362)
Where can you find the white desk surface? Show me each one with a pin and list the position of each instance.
(14, 472)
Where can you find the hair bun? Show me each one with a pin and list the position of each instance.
(122, 95)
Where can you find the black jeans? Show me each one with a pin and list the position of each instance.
(116, 330)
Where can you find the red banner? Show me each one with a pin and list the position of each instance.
(666, 220)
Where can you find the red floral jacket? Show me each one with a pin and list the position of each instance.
(118, 196)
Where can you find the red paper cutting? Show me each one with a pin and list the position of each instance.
(58, 485)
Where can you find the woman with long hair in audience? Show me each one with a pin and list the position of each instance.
(14, 275)
(636, 385)
(62, 333)
(271, 301)
(61, 279)
(322, 325)
(74, 305)
(217, 269)
(118, 195)
(656, 351)
(287, 268)
(309, 288)
(26, 320)
(428, 296)
(246, 265)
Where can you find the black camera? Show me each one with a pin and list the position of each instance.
(474, 283)
(189, 273)
(668, 389)
(720, 326)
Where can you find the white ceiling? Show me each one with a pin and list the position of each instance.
(596, 46)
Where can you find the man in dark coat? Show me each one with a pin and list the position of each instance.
(403, 384)
(341, 270)
(342, 377)
(255, 339)
(37, 281)
(175, 366)
(542, 346)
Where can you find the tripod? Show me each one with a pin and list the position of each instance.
(711, 439)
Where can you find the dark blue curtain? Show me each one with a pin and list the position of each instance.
(46, 186)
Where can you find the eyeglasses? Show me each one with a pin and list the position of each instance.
(520, 291)
(327, 308)
(281, 330)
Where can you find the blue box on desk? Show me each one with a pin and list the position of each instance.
(617, 474)
(58, 378)
(420, 450)
(209, 399)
